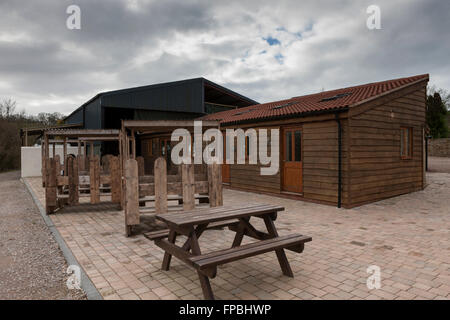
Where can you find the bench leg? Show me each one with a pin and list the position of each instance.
(281, 255)
(204, 281)
(206, 286)
(239, 235)
(168, 256)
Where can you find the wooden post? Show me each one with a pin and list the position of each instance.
(127, 147)
(132, 195)
(81, 162)
(141, 169)
(114, 169)
(79, 147)
(50, 186)
(26, 137)
(133, 144)
(58, 164)
(122, 168)
(72, 171)
(215, 185)
(54, 149)
(188, 184)
(85, 148)
(160, 173)
(91, 147)
(94, 179)
(65, 155)
(43, 162)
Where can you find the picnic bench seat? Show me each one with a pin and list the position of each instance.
(216, 258)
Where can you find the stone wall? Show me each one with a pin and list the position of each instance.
(439, 147)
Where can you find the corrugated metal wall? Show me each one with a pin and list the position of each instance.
(180, 97)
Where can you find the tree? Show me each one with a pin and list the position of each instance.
(435, 115)
(7, 108)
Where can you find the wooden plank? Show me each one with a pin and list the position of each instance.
(215, 185)
(160, 172)
(51, 185)
(131, 193)
(94, 179)
(115, 179)
(65, 156)
(72, 170)
(199, 216)
(228, 255)
(81, 159)
(141, 166)
(187, 176)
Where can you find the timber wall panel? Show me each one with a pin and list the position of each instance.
(248, 176)
(377, 170)
(320, 161)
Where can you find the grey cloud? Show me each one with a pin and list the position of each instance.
(47, 61)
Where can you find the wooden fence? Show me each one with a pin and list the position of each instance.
(184, 187)
(80, 177)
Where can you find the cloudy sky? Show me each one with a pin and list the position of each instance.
(266, 50)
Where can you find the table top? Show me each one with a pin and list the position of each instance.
(208, 215)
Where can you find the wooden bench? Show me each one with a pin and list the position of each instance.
(207, 263)
(192, 224)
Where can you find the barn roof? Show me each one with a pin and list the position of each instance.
(327, 101)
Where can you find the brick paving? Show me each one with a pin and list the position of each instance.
(408, 237)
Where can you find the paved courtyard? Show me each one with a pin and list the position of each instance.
(408, 237)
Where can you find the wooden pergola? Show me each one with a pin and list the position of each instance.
(141, 127)
(160, 186)
(39, 131)
(71, 177)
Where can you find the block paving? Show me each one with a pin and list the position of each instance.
(408, 237)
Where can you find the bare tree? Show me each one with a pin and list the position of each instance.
(7, 108)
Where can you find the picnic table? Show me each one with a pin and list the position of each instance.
(193, 223)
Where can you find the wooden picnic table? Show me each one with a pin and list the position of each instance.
(193, 223)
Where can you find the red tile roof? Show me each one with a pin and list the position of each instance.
(324, 101)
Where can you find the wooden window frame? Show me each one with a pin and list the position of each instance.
(404, 143)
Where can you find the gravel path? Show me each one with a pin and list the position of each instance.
(31, 264)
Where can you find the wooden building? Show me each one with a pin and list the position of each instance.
(344, 147)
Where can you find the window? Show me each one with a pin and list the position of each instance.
(405, 143)
(293, 145)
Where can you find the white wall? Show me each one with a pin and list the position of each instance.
(31, 159)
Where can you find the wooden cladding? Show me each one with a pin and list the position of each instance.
(382, 152)
(386, 149)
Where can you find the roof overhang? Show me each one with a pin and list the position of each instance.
(153, 126)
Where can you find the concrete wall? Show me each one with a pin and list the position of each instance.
(439, 147)
(31, 159)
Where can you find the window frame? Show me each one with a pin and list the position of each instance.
(405, 140)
